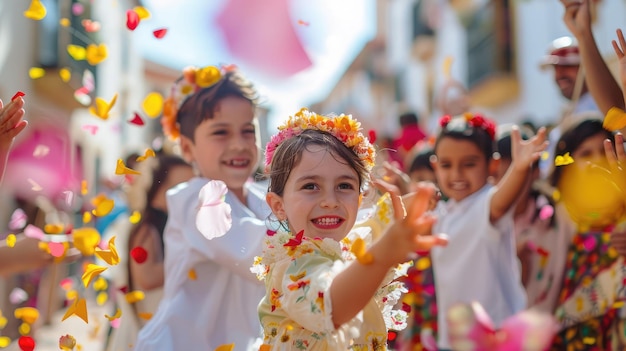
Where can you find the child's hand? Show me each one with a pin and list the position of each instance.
(620, 51)
(616, 158)
(11, 123)
(394, 175)
(577, 16)
(525, 152)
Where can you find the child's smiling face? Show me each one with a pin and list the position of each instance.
(321, 195)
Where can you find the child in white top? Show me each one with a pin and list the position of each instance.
(480, 263)
(209, 295)
(318, 297)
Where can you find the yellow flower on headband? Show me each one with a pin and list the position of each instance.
(207, 76)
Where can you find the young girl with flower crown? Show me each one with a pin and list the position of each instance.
(209, 295)
(480, 263)
(324, 289)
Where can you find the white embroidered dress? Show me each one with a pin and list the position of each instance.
(296, 311)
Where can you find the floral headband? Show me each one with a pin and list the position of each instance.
(192, 81)
(342, 127)
(474, 121)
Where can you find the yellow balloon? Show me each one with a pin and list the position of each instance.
(593, 196)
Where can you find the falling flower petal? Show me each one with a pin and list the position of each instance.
(89, 82)
(103, 107)
(142, 12)
(225, 347)
(102, 298)
(26, 343)
(109, 256)
(18, 219)
(546, 212)
(136, 120)
(34, 232)
(92, 271)
(192, 274)
(615, 119)
(26, 314)
(153, 105)
(96, 53)
(159, 33)
(82, 97)
(36, 72)
(139, 254)
(79, 309)
(121, 169)
(4, 341)
(145, 315)
(64, 22)
(24, 329)
(36, 11)
(100, 284)
(18, 94)
(77, 52)
(146, 155)
(118, 314)
(56, 249)
(90, 26)
(65, 74)
(34, 185)
(303, 23)
(18, 296)
(135, 217)
(10, 240)
(53, 228)
(360, 252)
(135, 296)
(213, 218)
(103, 205)
(132, 19)
(86, 217)
(85, 240)
(67, 342)
(77, 9)
(41, 151)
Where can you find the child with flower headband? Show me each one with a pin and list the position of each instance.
(481, 264)
(209, 295)
(324, 289)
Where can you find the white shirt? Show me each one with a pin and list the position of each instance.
(220, 305)
(479, 263)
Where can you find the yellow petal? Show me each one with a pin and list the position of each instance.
(77, 52)
(135, 296)
(64, 22)
(359, 250)
(85, 240)
(102, 107)
(192, 274)
(225, 347)
(153, 105)
(142, 12)
(145, 315)
(422, 264)
(84, 189)
(4, 341)
(102, 298)
(447, 67)
(71, 295)
(100, 284)
(92, 271)
(96, 53)
(78, 309)
(36, 11)
(147, 154)
(53, 228)
(135, 217)
(3, 322)
(11, 240)
(86, 217)
(109, 256)
(121, 169)
(65, 74)
(24, 329)
(615, 119)
(36, 72)
(26, 314)
(103, 207)
(118, 314)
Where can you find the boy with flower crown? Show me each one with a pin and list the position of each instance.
(210, 297)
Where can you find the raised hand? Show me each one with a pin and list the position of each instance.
(11, 122)
(577, 17)
(620, 50)
(525, 152)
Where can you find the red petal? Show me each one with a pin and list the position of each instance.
(18, 94)
(139, 254)
(26, 343)
(136, 120)
(160, 33)
(372, 136)
(132, 19)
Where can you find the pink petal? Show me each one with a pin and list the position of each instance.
(546, 212)
(18, 219)
(33, 232)
(213, 218)
(18, 296)
(56, 249)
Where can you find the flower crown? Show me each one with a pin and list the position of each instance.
(192, 81)
(342, 127)
(474, 121)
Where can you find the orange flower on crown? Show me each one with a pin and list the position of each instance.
(192, 81)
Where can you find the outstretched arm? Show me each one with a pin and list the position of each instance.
(11, 124)
(620, 51)
(524, 154)
(601, 84)
(407, 234)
